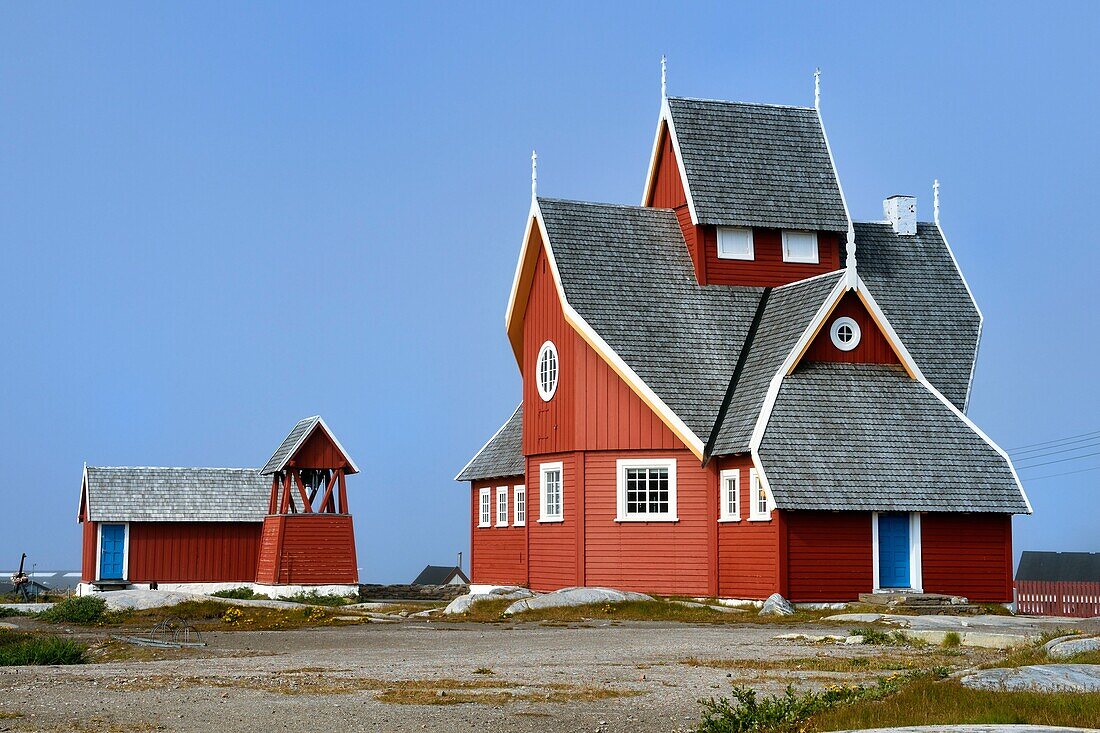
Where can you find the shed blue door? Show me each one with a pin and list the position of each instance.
(111, 548)
(893, 550)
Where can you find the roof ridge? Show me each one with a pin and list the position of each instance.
(174, 468)
(632, 207)
(747, 104)
(810, 279)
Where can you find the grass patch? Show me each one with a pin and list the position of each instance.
(492, 610)
(8, 612)
(952, 640)
(871, 635)
(930, 702)
(826, 663)
(313, 598)
(241, 594)
(32, 649)
(220, 616)
(76, 610)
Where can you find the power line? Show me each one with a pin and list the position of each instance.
(1090, 439)
(1064, 473)
(1062, 460)
(1044, 454)
(1048, 442)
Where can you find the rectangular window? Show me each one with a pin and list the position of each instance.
(730, 496)
(735, 244)
(502, 506)
(758, 498)
(800, 247)
(551, 493)
(646, 489)
(485, 507)
(519, 504)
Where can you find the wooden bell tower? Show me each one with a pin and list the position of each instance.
(308, 537)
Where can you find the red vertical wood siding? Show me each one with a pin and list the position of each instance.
(655, 557)
(593, 408)
(192, 552)
(88, 569)
(552, 547)
(829, 555)
(873, 347)
(767, 267)
(968, 555)
(307, 549)
(667, 192)
(498, 554)
(748, 552)
(318, 451)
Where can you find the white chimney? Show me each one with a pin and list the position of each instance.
(901, 212)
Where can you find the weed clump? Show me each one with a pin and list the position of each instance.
(241, 594)
(27, 649)
(76, 610)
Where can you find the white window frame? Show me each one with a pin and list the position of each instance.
(724, 478)
(547, 348)
(729, 232)
(916, 577)
(788, 257)
(519, 498)
(502, 493)
(485, 507)
(755, 486)
(834, 333)
(545, 468)
(125, 550)
(621, 467)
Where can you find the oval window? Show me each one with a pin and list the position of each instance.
(845, 333)
(546, 371)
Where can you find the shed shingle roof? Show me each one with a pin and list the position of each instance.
(868, 437)
(501, 456)
(147, 494)
(1066, 567)
(757, 165)
(298, 433)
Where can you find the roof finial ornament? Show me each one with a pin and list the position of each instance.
(936, 201)
(664, 77)
(850, 260)
(817, 89)
(534, 174)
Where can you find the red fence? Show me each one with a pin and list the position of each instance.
(1042, 598)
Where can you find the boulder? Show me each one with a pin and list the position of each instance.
(575, 597)
(776, 605)
(1068, 647)
(462, 604)
(1038, 678)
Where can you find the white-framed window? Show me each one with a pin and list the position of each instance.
(800, 246)
(502, 506)
(758, 499)
(546, 371)
(519, 506)
(845, 333)
(485, 507)
(551, 493)
(735, 244)
(646, 490)
(729, 495)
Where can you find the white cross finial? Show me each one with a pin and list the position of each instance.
(817, 88)
(534, 173)
(664, 76)
(850, 247)
(936, 201)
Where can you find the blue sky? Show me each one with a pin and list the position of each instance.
(216, 220)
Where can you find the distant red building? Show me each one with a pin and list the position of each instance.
(734, 390)
(281, 527)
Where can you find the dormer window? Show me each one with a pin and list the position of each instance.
(800, 247)
(735, 244)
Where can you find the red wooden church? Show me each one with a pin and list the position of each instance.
(281, 528)
(734, 390)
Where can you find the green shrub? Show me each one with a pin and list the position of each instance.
(241, 594)
(314, 598)
(76, 610)
(22, 649)
(7, 611)
(952, 639)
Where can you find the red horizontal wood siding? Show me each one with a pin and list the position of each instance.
(654, 557)
(968, 555)
(828, 555)
(767, 267)
(307, 549)
(873, 347)
(498, 555)
(748, 552)
(552, 547)
(90, 535)
(192, 552)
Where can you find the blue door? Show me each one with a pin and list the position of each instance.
(893, 550)
(111, 548)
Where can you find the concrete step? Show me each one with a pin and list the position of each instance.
(919, 602)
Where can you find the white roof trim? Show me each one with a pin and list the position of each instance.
(487, 442)
(899, 348)
(836, 173)
(510, 311)
(981, 316)
(84, 498)
(305, 435)
(666, 117)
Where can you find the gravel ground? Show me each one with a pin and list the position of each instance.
(230, 689)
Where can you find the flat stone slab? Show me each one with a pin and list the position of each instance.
(462, 604)
(1068, 647)
(1038, 678)
(28, 607)
(567, 597)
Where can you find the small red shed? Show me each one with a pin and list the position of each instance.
(278, 529)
